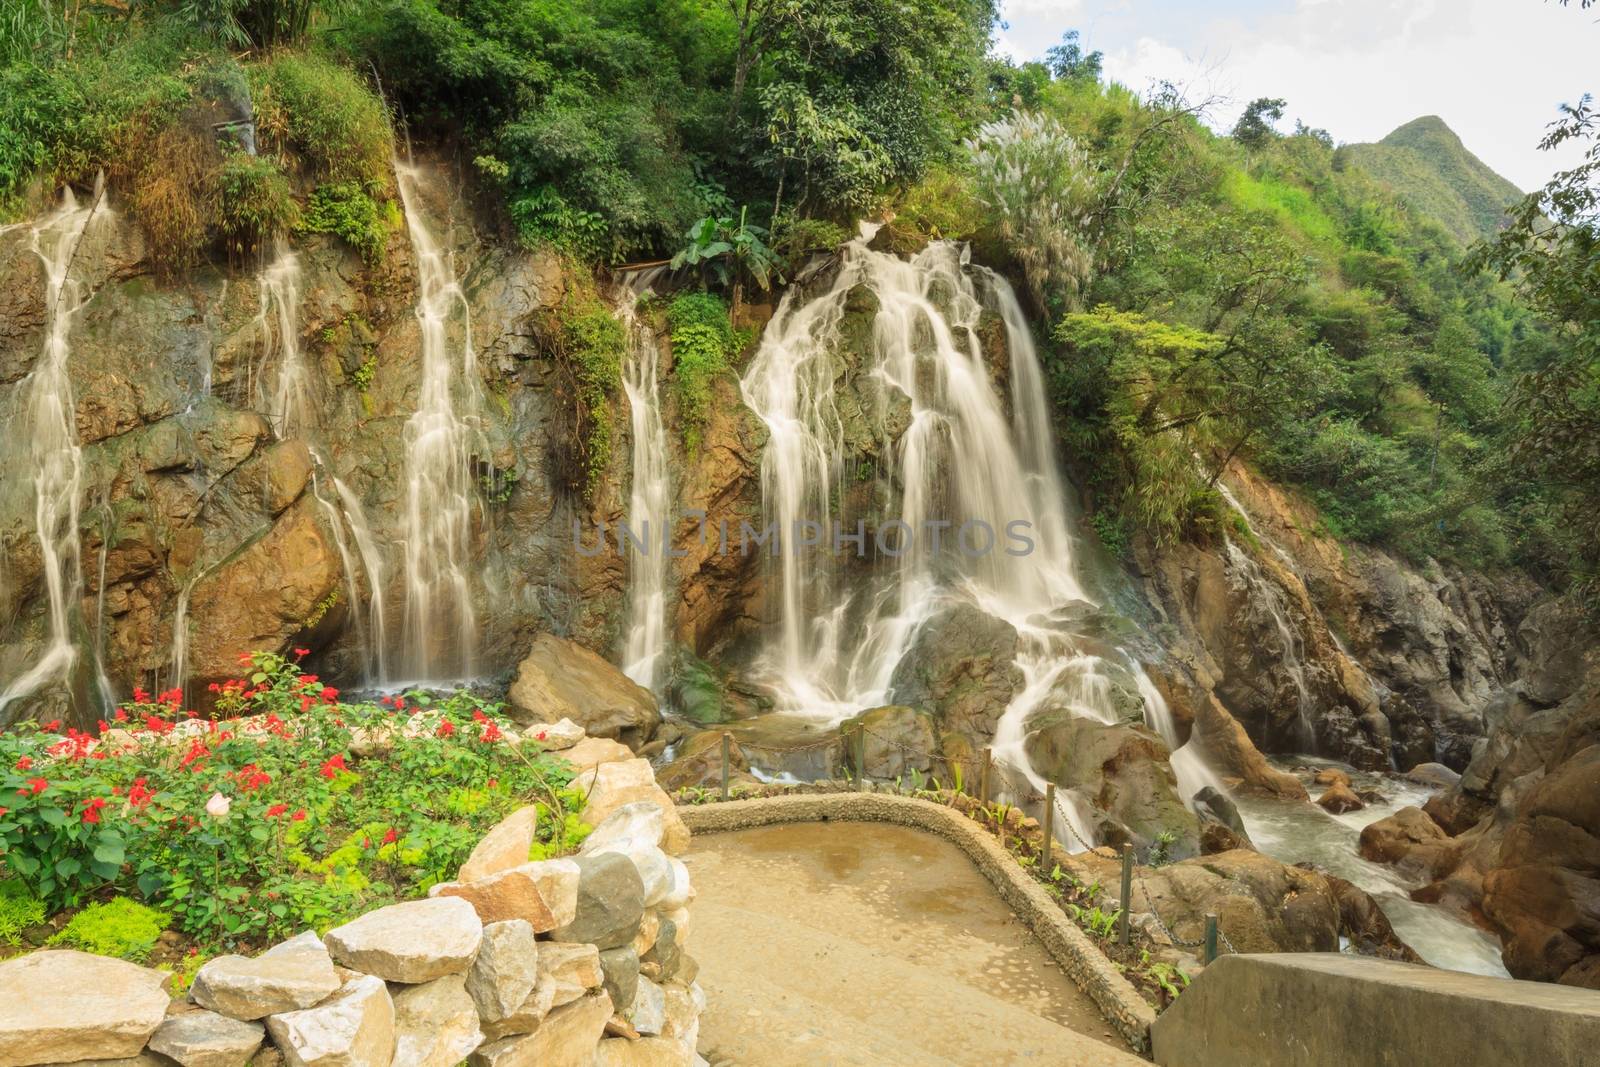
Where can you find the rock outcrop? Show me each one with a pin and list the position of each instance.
(560, 679)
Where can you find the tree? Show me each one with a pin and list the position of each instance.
(1254, 127)
(1069, 62)
(1551, 248)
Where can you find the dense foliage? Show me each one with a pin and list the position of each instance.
(266, 822)
(1259, 295)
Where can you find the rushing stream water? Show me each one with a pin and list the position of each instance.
(1297, 832)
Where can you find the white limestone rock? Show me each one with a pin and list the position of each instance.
(416, 941)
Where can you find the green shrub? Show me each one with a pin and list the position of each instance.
(122, 928)
(348, 211)
(594, 345)
(255, 201)
(702, 345)
(323, 113)
(19, 909)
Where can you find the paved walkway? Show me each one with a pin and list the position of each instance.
(832, 944)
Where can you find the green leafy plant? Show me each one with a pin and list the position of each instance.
(702, 348)
(731, 252)
(119, 927)
(255, 201)
(348, 211)
(19, 909)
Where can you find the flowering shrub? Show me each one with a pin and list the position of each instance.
(269, 820)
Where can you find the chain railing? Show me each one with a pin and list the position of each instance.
(1024, 792)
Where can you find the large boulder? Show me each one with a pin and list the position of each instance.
(505, 846)
(565, 1038)
(1411, 840)
(610, 902)
(435, 1023)
(613, 785)
(296, 974)
(560, 679)
(61, 1006)
(506, 970)
(1123, 770)
(352, 1028)
(1262, 905)
(896, 741)
(206, 1039)
(416, 941)
(1545, 893)
(962, 668)
(543, 893)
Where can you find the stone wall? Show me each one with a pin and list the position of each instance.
(1312, 1010)
(573, 961)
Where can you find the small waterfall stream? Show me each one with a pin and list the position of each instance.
(440, 494)
(650, 491)
(55, 457)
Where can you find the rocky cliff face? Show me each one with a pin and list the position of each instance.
(206, 533)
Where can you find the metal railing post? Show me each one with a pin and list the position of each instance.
(983, 777)
(1127, 892)
(1049, 827)
(727, 740)
(861, 757)
(1211, 938)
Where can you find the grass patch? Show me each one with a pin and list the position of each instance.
(121, 927)
(1289, 204)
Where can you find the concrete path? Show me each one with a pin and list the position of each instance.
(832, 944)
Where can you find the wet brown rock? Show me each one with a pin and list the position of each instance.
(560, 679)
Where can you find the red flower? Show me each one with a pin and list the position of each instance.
(333, 765)
(156, 725)
(91, 809)
(24, 763)
(276, 810)
(329, 693)
(140, 696)
(479, 716)
(104, 726)
(214, 687)
(491, 734)
(247, 658)
(305, 703)
(302, 652)
(493, 782)
(121, 715)
(4, 810)
(138, 795)
(541, 735)
(446, 728)
(38, 785)
(298, 816)
(391, 837)
(52, 726)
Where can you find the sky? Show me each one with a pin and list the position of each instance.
(1494, 70)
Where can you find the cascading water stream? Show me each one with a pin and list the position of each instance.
(440, 495)
(291, 402)
(650, 493)
(292, 407)
(960, 460)
(55, 457)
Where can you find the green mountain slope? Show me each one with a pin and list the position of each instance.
(1427, 165)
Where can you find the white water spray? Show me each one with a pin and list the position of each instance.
(291, 403)
(440, 494)
(55, 456)
(650, 492)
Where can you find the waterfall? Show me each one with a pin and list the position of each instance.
(962, 460)
(291, 404)
(440, 496)
(650, 492)
(1188, 765)
(292, 408)
(55, 457)
(1247, 576)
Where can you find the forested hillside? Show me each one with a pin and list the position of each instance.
(1260, 294)
(1428, 167)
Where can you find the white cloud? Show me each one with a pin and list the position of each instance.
(1493, 69)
